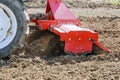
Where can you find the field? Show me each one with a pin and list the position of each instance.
(101, 16)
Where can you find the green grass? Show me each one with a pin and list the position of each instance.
(115, 2)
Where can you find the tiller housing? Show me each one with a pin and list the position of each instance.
(61, 21)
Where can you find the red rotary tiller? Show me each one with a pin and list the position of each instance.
(61, 21)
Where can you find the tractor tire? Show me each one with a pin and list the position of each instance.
(13, 24)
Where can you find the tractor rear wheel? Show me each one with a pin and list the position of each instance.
(12, 26)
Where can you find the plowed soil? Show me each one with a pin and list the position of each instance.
(103, 66)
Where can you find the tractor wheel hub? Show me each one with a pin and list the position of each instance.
(8, 26)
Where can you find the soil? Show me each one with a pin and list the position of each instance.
(104, 66)
(79, 3)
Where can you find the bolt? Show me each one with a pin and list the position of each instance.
(79, 39)
(70, 39)
(89, 39)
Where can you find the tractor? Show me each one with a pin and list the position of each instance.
(58, 19)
